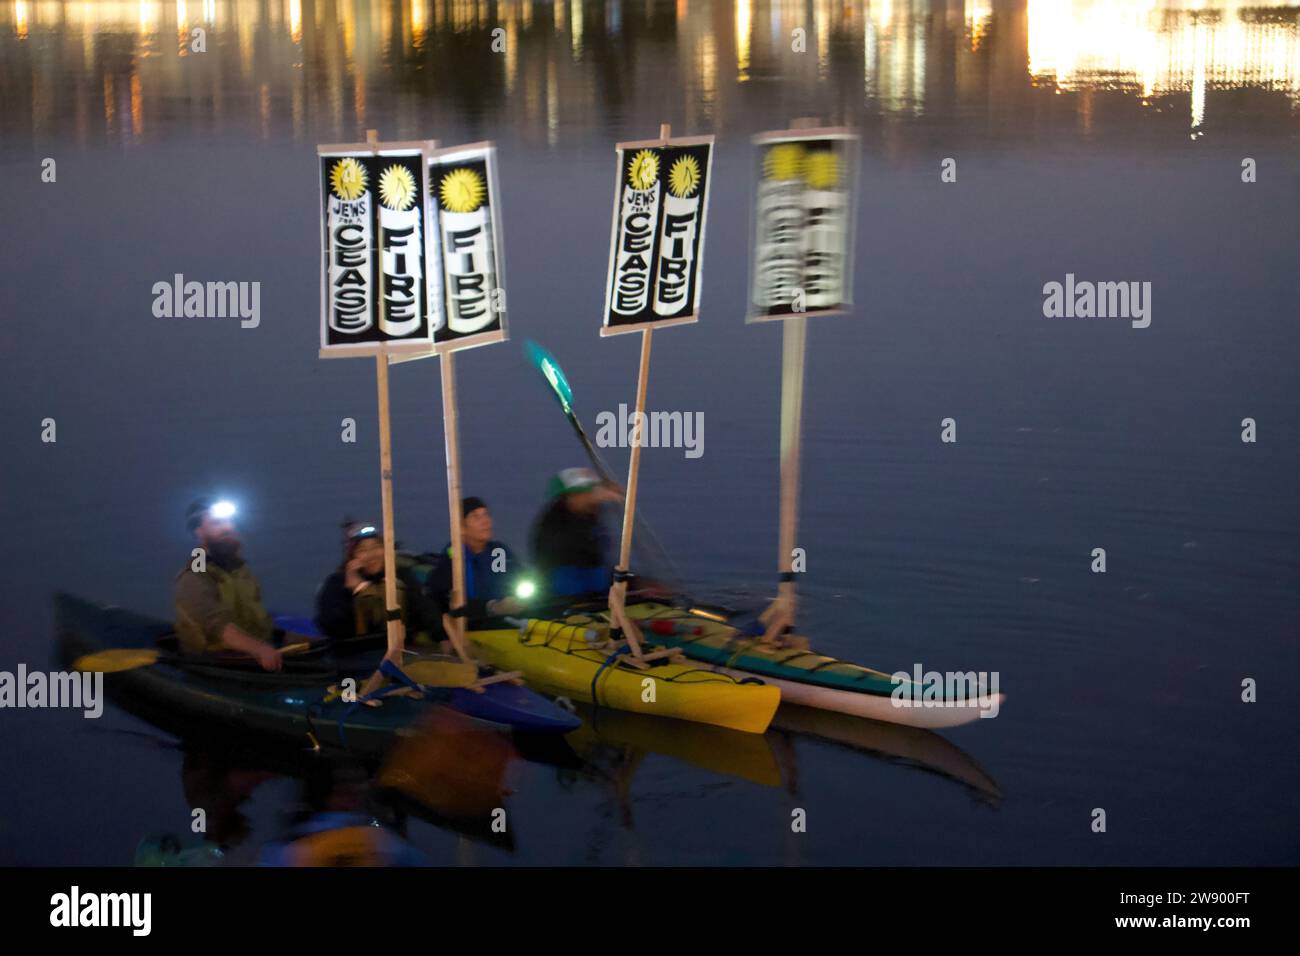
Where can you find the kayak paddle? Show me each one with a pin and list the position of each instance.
(550, 369)
(441, 673)
(129, 658)
(545, 363)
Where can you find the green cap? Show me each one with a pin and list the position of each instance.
(571, 481)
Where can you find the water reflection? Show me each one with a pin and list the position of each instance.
(1152, 49)
(555, 72)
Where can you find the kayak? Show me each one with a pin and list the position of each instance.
(500, 703)
(293, 706)
(805, 677)
(577, 661)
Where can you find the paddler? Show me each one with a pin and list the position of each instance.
(350, 602)
(218, 601)
(570, 544)
(495, 582)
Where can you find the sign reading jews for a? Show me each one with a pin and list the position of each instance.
(804, 213)
(655, 261)
(374, 248)
(466, 281)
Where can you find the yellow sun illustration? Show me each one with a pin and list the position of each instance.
(397, 188)
(462, 190)
(643, 170)
(348, 179)
(822, 169)
(684, 177)
(784, 161)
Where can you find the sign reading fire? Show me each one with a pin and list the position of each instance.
(657, 250)
(466, 281)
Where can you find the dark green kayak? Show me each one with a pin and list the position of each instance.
(288, 708)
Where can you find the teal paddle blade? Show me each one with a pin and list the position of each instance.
(551, 371)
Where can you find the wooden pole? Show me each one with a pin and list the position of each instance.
(780, 614)
(634, 465)
(618, 590)
(393, 611)
(455, 626)
(396, 633)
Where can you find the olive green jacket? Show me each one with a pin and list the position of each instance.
(207, 601)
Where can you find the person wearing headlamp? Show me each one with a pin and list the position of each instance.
(350, 602)
(218, 600)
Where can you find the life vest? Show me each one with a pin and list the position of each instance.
(371, 608)
(241, 596)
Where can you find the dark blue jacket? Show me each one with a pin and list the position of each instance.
(482, 583)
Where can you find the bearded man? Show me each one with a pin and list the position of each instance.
(218, 601)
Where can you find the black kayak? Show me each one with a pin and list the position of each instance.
(292, 706)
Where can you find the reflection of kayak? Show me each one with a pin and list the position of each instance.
(716, 749)
(452, 767)
(341, 839)
(289, 708)
(803, 676)
(169, 850)
(913, 746)
(574, 661)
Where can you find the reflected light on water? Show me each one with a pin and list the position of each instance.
(744, 31)
(512, 51)
(419, 24)
(822, 25)
(331, 62)
(575, 33)
(706, 71)
(979, 17)
(1151, 48)
(182, 28)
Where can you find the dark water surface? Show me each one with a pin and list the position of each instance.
(1101, 140)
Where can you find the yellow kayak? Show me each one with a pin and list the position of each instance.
(578, 661)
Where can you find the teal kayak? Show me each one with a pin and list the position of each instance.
(815, 680)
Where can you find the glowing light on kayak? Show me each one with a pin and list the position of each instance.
(525, 589)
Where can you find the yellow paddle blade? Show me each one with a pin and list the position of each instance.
(442, 673)
(122, 659)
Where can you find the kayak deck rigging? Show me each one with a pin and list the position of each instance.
(578, 658)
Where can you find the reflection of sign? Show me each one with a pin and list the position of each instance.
(468, 281)
(802, 261)
(658, 234)
(373, 242)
